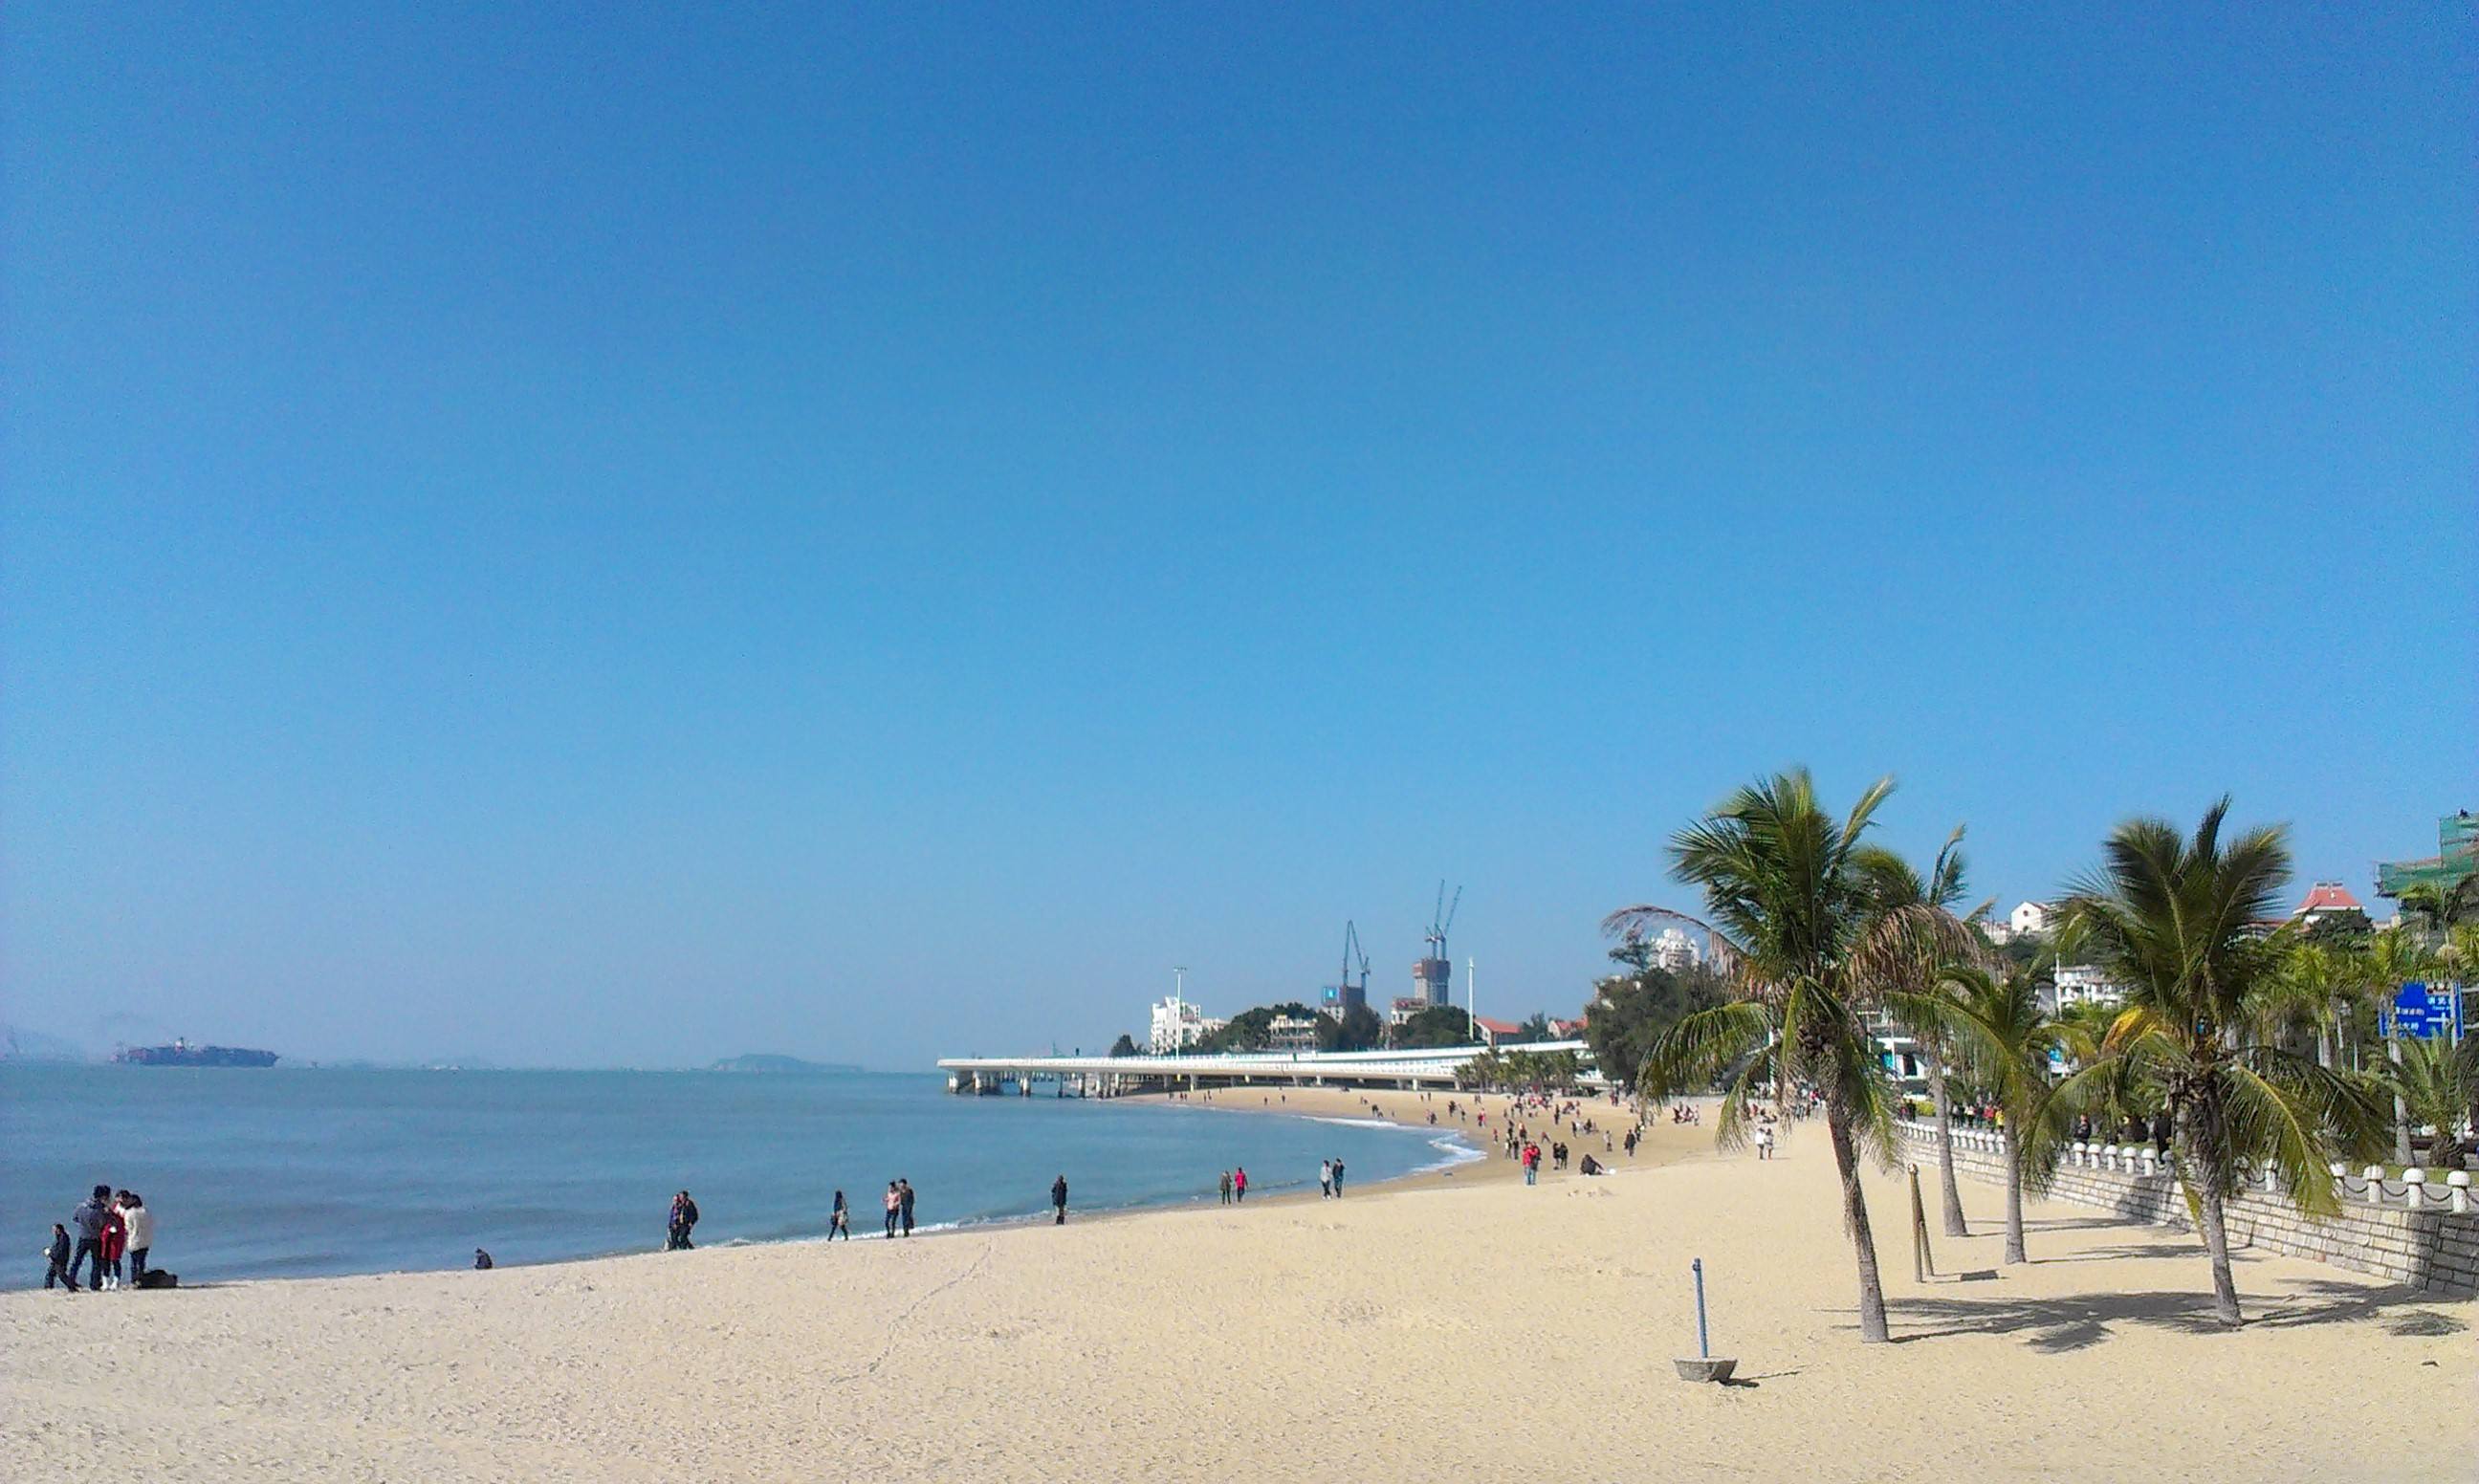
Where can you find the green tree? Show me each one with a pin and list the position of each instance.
(1359, 1029)
(1789, 916)
(1124, 1046)
(2438, 1083)
(1995, 1022)
(1629, 1013)
(2169, 918)
(1536, 1029)
(1435, 1025)
(2389, 962)
(1895, 887)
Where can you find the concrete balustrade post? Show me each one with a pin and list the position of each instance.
(2416, 1179)
(2457, 1193)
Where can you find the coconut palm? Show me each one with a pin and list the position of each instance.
(2439, 1083)
(1894, 887)
(1995, 1021)
(2306, 993)
(2169, 918)
(1790, 918)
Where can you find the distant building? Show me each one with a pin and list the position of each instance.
(1497, 1033)
(1405, 1009)
(2456, 858)
(1433, 981)
(2081, 983)
(1179, 1024)
(1674, 952)
(1291, 1033)
(1338, 1000)
(2326, 899)
(2030, 919)
(1566, 1030)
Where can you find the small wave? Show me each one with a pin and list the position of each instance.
(1360, 1123)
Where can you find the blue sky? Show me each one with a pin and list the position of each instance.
(627, 534)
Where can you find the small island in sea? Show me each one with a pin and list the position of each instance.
(759, 1062)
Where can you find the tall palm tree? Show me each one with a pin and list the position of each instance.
(1894, 887)
(1789, 916)
(1996, 1022)
(2306, 992)
(2168, 917)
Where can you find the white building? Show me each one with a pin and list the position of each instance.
(2083, 983)
(1179, 1024)
(2030, 919)
(1674, 952)
(1291, 1033)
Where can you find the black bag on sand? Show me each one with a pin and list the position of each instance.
(157, 1278)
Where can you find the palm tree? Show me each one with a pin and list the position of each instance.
(2389, 962)
(2306, 992)
(2169, 918)
(1997, 1023)
(1893, 887)
(1789, 916)
(2439, 1083)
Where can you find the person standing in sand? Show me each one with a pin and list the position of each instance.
(839, 1220)
(141, 1234)
(1325, 1179)
(1239, 1184)
(894, 1204)
(905, 1201)
(1058, 1199)
(1338, 1180)
(1226, 1187)
(684, 1219)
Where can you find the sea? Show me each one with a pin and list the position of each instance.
(298, 1173)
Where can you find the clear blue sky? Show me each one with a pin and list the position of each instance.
(630, 534)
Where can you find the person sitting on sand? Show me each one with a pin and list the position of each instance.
(1593, 1167)
(481, 1261)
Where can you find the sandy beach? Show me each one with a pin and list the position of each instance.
(1459, 1326)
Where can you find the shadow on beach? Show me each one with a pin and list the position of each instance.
(2080, 1321)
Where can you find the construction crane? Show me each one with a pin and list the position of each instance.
(1433, 977)
(1345, 994)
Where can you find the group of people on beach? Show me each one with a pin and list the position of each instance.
(1235, 1185)
(108, 1230)
(1330, 1180)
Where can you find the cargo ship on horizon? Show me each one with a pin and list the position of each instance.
(182, 1054)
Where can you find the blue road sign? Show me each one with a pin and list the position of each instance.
(2417, 1013)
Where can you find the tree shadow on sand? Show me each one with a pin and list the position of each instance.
(2080, 1321)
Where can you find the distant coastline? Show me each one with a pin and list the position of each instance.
(760, 1061)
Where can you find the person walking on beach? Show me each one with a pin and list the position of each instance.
(86, 1223)
(894, 1204)
(141, 1224)
(1239, 1184)
(684, 1217)
(1764, 1140)
(1338, 1180)
(1325, 1179)
(906, 1186)
(1058, 1199)
(839, 1220)
(1531, 1164)
(1226, 1187)
(56, 1260)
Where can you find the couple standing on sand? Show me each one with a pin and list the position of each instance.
(1234, 1186)
(899, 1206)
(1330, 1179)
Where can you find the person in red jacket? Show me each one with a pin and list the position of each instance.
(1239, 1184)
(115, 1243)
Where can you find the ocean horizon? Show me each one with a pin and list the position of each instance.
(309, 1172)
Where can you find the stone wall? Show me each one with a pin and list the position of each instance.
(2416, 1232)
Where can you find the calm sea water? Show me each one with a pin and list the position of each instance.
(282, 1173)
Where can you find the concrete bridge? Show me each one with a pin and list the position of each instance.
(1109, 1076)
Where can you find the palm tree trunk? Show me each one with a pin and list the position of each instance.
(2199, 1169)
(1954, 1226)
(2401, 1114)
(2013, 1195)
(1854, 1220)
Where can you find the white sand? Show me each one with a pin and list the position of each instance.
(1474, 1329)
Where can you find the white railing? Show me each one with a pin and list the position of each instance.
(2417, 1189)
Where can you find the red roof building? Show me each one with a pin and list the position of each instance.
(2324, 899)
